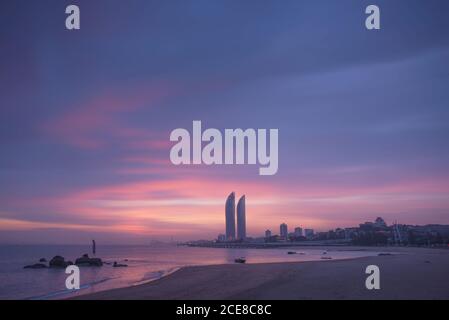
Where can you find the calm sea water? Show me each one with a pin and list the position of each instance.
(145, 263)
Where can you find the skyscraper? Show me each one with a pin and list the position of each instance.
(241, 219)
(284, 231)
(230, 217)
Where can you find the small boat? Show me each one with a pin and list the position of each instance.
(291, 252)
(240, 260)
(326, 258)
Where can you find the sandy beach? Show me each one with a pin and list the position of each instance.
(410, 273)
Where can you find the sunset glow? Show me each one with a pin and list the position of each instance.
(85, 132)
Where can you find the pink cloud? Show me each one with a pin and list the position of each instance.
(192, 198)
(92, 123)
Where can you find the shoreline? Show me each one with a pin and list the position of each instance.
(411, 273)
(168, 272)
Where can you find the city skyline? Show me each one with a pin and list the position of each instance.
(400, 233)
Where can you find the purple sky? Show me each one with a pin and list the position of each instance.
(86, 115)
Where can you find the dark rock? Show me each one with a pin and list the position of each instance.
(96, 262)
(118, 265)
(90, 262)
(83, 260)
(36, 266)
(58, 262)
(43, 260)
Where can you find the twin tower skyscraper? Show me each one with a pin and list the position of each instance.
(231, 218)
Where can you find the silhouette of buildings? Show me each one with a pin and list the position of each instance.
(232, 217)
(368, 233)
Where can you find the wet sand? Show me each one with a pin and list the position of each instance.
(411, 273)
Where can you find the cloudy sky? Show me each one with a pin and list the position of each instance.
(85, 116)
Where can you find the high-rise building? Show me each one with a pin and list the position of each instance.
(230, 217)
(241, 219)
(267, 233)
(284, 231)
(298, 232)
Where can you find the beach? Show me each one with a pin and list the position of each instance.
(405, 273)
(145, 263)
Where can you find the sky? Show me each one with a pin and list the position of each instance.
(86, 115)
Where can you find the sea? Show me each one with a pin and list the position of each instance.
(145, 263)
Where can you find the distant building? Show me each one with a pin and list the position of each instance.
(267, 233)
(230, 217)
(298, 232)
(272, 238)
(241, 219)
(309, 233)
(221, 237)
(380, 223)
(351, 233)
(284, 231)
(367, 226)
